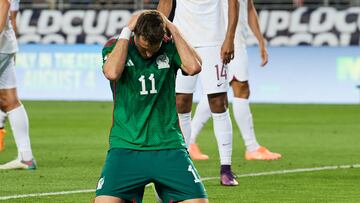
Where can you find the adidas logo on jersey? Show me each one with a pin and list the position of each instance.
(130, 63)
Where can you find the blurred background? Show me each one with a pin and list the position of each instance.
(313, 45)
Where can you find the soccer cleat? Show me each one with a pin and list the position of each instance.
(17, 164)
(2, 137)
(262, 154)
(196, 154)
(228, 179)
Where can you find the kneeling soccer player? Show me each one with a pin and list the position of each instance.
(146, 144)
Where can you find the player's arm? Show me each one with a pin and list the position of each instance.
(165, 7)
(115, 63)
(255, 28)
(227, 49)
(191, 62)
(14, 9)
(4, 9)
(13, 15)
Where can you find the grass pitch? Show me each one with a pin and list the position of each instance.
(70, 140)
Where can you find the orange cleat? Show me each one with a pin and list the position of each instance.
(2, 137)
(262, 154)
(196, 154)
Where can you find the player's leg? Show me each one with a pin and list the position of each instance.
(183, 106)
(223, 133)
(239, 82)
(123, 179)
(4, 63)
(176, 178)
(201, 116)
(20, 127)
(2, 130)
(185, 86)
(196, 201)
(108, 199)
(10, 103)
(215, 84)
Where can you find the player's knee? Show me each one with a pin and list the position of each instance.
(218, 103)
(183, 107)
(183, 103)
(241, 89)
(202, 200)
(7, 105)
(218, 107)
(108, 199)
(242, 94)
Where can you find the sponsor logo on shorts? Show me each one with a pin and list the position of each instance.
(220, 84)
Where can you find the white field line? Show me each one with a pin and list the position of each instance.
(298, 170)
(46, 194)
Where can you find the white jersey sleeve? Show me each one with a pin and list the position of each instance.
(14, 5)
(8, 42)
(242, 28)
(200, 21)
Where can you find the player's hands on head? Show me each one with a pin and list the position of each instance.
(167, 21)
(227, 51)
(132, 22)
(168, 24)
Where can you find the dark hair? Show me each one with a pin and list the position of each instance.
(151, 26)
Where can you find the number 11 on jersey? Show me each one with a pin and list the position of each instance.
(143, 85)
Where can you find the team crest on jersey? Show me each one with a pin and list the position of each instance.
(163, 61)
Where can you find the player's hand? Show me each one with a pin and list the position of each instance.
(227, 51)
(169, 25)
(264, 56)
(132, 22)
(166, 20)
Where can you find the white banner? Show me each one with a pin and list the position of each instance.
(307, 75)
(303, 26)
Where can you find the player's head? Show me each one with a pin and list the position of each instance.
(149, 32)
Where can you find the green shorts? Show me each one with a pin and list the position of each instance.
(127, 172)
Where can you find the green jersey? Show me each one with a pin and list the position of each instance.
(145, 116)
